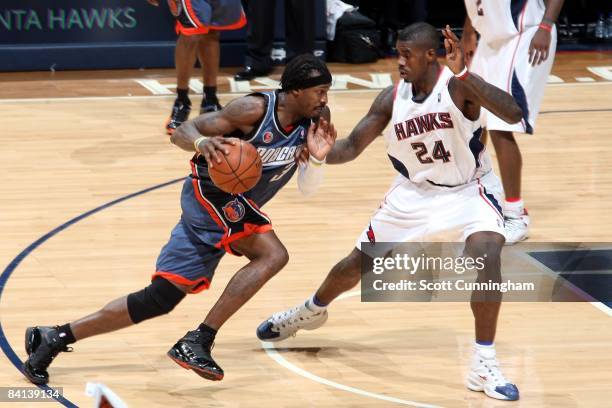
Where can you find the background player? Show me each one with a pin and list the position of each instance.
(212, 223)
(515, 53)
(198, 24)
(445, 190)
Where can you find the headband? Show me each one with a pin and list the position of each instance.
(323, 79)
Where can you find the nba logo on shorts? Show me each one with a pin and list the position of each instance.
(234, 210)
(267, 137)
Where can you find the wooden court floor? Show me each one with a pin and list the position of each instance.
(61, 158)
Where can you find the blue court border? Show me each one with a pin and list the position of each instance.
(6, 274)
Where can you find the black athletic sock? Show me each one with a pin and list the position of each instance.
(210, 94)
(208, 334)
(65, 333)
(183, 96)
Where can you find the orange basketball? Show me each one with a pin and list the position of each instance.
(239, 170)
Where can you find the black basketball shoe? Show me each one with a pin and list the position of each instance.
(43, 344)
(210, 106)
(192, 354)
(180, 113)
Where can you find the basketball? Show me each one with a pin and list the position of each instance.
(239, 170)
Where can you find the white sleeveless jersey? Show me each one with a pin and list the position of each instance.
(497, 20)
(432, 141)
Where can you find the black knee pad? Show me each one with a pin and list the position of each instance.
(159, 298)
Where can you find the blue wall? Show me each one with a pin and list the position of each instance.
(106, 34)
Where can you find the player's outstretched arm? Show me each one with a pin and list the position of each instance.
(368, 129)
(204, 134)
(473, 90)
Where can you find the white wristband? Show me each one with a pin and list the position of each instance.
(463, 74)
(197, 142)
(315, 161)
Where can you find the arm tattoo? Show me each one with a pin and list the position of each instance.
(368, 129)
(492, 98)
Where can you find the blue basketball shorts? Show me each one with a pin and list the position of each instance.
(200, 16)
(210, 221)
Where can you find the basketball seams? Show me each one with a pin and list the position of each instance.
(234, 178)
(253, 163)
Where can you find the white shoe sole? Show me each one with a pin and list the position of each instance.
(475, 383)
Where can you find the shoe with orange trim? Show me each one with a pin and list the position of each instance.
(191, 353)
(180, 113)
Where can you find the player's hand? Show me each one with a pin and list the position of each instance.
(212, 148)
(469, 42)
(321, 138)
(538, 49)
(454, 53)
(153, 2)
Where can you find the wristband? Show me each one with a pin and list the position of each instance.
(197, 142)
(546, 27)
(315, 161)
(462, 75)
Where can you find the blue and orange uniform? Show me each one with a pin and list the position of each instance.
(200, 16)
(212, 219)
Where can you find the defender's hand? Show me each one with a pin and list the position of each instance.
(469, 43)
(212, 147)
(538, 49)
(153, 2)
(321, 138)
(454, 53)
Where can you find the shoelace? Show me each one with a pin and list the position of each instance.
(287, 318)
(514, 223)
(494, 371)
(284, 318)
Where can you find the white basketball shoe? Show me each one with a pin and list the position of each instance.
(516, 227)
(285, 324)
(486, 376)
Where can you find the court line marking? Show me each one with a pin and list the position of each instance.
(273, 353)
(8, 351)
(229, 94)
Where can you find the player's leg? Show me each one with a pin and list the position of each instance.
(387, 225)
(312, 314)
(184, 59)
(192, 264)
(44, 343)
(485, 374)
(510, 163)
(209, 55)
(483, 232)
(260, 38)
(267, 257)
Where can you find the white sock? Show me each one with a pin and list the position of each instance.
(313, 307)
(486, 351)
(514, 208)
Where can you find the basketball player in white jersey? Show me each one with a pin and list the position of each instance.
(445, 189)
(515, 53)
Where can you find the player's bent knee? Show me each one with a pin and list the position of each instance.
(277, 259)
(157, 299)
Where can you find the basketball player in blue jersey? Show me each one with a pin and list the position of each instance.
(279, 124)
(445, 191)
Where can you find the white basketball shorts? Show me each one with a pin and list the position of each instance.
(428, 213)
(505, 64)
